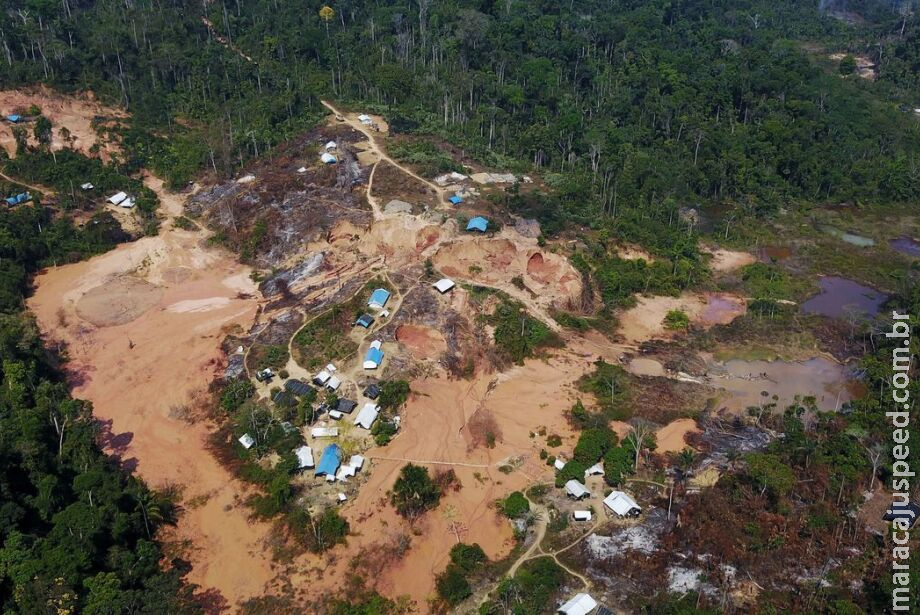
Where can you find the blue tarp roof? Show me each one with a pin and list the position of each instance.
(379, 297)
(22, 197)
(477, 224)
(14, 118)
(330, 461)
(375, 355)
(456, 200)
(365, 320)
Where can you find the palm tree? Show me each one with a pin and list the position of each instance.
(156, 508)
(685, 458)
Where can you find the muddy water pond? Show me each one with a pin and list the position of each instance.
(840, 297)
(744, 382)
(906, 245)
(640, 366)
(850, 238)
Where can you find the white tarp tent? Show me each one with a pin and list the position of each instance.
(580, 604)
(117, 198)
(330, 145)
(356, 461)
(344, 473)
(324, 432)
(582, 515)
(621, 504)
(247, 441)
(576, 489)
(596, 470)
(367, 416)
(327, 158)
(304, 457)
(559, 464)
(334, 383)
(443, 285)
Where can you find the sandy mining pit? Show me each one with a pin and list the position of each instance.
(548, 277)
(645, 321)
(118, 301)
(672, 437)
(724, 260)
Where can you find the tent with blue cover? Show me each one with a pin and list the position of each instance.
(477, 224)
(330, 461)
(373, 358)
(22, 197)
(456, 200)
(379, 298)
(13, 119)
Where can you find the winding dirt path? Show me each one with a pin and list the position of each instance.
(42, 189)
(223, 41)
(541, 514)
(375, 147)
(535, 550)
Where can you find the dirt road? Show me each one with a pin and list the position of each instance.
(383, 156)
(40, 189)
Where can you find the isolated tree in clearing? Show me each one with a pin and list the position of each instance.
(414, 492)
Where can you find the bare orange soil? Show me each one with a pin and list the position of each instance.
(76, 113)
(645, 321)
(672, 437)
(143, 326)
(115, 312)
(422, 342)
(138, 353)
(724, 260)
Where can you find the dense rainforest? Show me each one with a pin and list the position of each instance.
(638, 103)
(76, 532)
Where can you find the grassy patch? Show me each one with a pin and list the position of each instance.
(268, 355)
(610, 386)
(424, 155)
(325, 338)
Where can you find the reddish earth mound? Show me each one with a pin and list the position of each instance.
(499, 261)
(422, 342)
(426, 238)
(541, 270)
